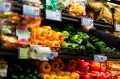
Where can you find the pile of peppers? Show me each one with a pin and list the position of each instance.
(84, 41)
(88, 69)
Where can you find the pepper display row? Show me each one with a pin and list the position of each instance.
(84, 41)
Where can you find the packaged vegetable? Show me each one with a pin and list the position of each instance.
(76, 8)
(105, 15)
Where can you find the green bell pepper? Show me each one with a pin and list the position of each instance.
(76, 39)
(64, 44)
(84, 36)
(66, 34)
(69, 45)
(81, 47)
(69, 27)
(73, 45)
(100, 45)
(94, 39)
(90, 46)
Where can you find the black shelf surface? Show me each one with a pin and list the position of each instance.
(8, 52)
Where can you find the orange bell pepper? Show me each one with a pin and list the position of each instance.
(15, 18)
(58, 36)
(48, 28)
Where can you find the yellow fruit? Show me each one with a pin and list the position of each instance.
(60, 77)
(67, 73)
(52, 73)
(67, 77)
(45, 76)
(60, 73)
(74, 75)
(53, 77)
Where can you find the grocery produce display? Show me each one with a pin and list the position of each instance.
(73, 69)
(19, 31)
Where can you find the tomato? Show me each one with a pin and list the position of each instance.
(95, 66)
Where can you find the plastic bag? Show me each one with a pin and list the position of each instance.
(76, 8)
(105, 15)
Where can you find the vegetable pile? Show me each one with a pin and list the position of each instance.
(84, 41)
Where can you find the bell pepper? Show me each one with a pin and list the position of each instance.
(58, 36)
(84, 66)
(102, 67)
(85, 75)
(100, 45)
(76, 71)
(102, 75)
(81, 47)
(107, 50)
(76, 39)
(108, 75)
(95, 74)
(114, 76)
(73, 45)
(84, 36)
(95, 66)
(90, 46)
(64, 44)
(70, 65)
(69, 27)
(94, 39)
(66, 34)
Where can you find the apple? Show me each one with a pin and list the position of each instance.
(45, 76)
(74, 75)
(53, 77)
(44, 67)
(67, 77)
(67, 73)
(60, 77)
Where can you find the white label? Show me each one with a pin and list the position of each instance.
(30, 10)
(5, 6)
(100, 58)
(53, 15)
(87, 22)
(117, 27)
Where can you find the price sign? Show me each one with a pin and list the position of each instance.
(30, 10)
(87, 22)
(117, 27)
(53, 15)
(23, 53)
(5, 6)
(100, 58)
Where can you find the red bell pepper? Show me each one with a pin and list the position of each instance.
(102, 67)
(95, 66)
(108, 75)
(86, 76)
(79, 61)
(85, 66)
(114, 76)
(70, 65)
(95, 74)
(102, 75)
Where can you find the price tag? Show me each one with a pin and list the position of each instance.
(23, 53)
(30, 10)
(5, 6)
(100, 58)
(87, 22)
(117, 27)
(53, 15)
